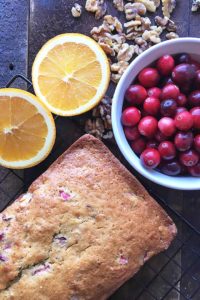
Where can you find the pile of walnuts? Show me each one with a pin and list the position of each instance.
(123, 42)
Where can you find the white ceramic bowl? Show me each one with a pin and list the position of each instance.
(188, 45)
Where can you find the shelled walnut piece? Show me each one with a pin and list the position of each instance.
(133, 9)
(119, 4)
(172, 35)
(153, 35)
(168, 7)
(118, 69)
(98, 7)
(150, 4)
(166, 23)
(125, 52)
(76, 10)
(100, 124)
(195, 5)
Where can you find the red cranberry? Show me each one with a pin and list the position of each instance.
(165, 64)
(136, 94)
(197, 142)
(194, 98)
(189, 158)
(195, 170)
(195, 112)
(171, 168)
(151, 106)
(183, 140)
(184, 120)
(197, 80)
(154, 92)
(131, 133)
(131, 116)
(149, 77)
(159, 136)
(152, 144)
(148, 126)
(183, 74)
(168, 107)
(183, 58)
(170, 91)
(167, 126)
(167, 150)
(181, 100)
(195, 64)
(138, 145)
(150, 158)
(180, 109)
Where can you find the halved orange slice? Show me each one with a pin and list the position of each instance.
(70, 74)
(27, 129)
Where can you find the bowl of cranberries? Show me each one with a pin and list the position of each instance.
(156, 114)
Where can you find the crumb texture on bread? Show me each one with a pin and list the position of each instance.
(83, 228)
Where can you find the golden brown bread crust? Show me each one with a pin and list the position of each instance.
(84, 228)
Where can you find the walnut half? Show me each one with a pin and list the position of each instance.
(98, 7)
(118, 69)
(166, 23)
(168, 7)
(126, 52)
(119, 4)
(76, 10)
(150, 5)
(195, 5)
(134, 9)
(172, 35)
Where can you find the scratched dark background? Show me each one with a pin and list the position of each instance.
(24, 27)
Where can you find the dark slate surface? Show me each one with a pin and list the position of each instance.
(47, 19)
(14, 15)
(13, 38)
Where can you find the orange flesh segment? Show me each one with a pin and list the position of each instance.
(67, 79)
(22, 129)
(5, 108)
(89, 74)
(18, 108)
(2, 142)
(34, 126)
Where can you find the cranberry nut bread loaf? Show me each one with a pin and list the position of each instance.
(83, 228)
